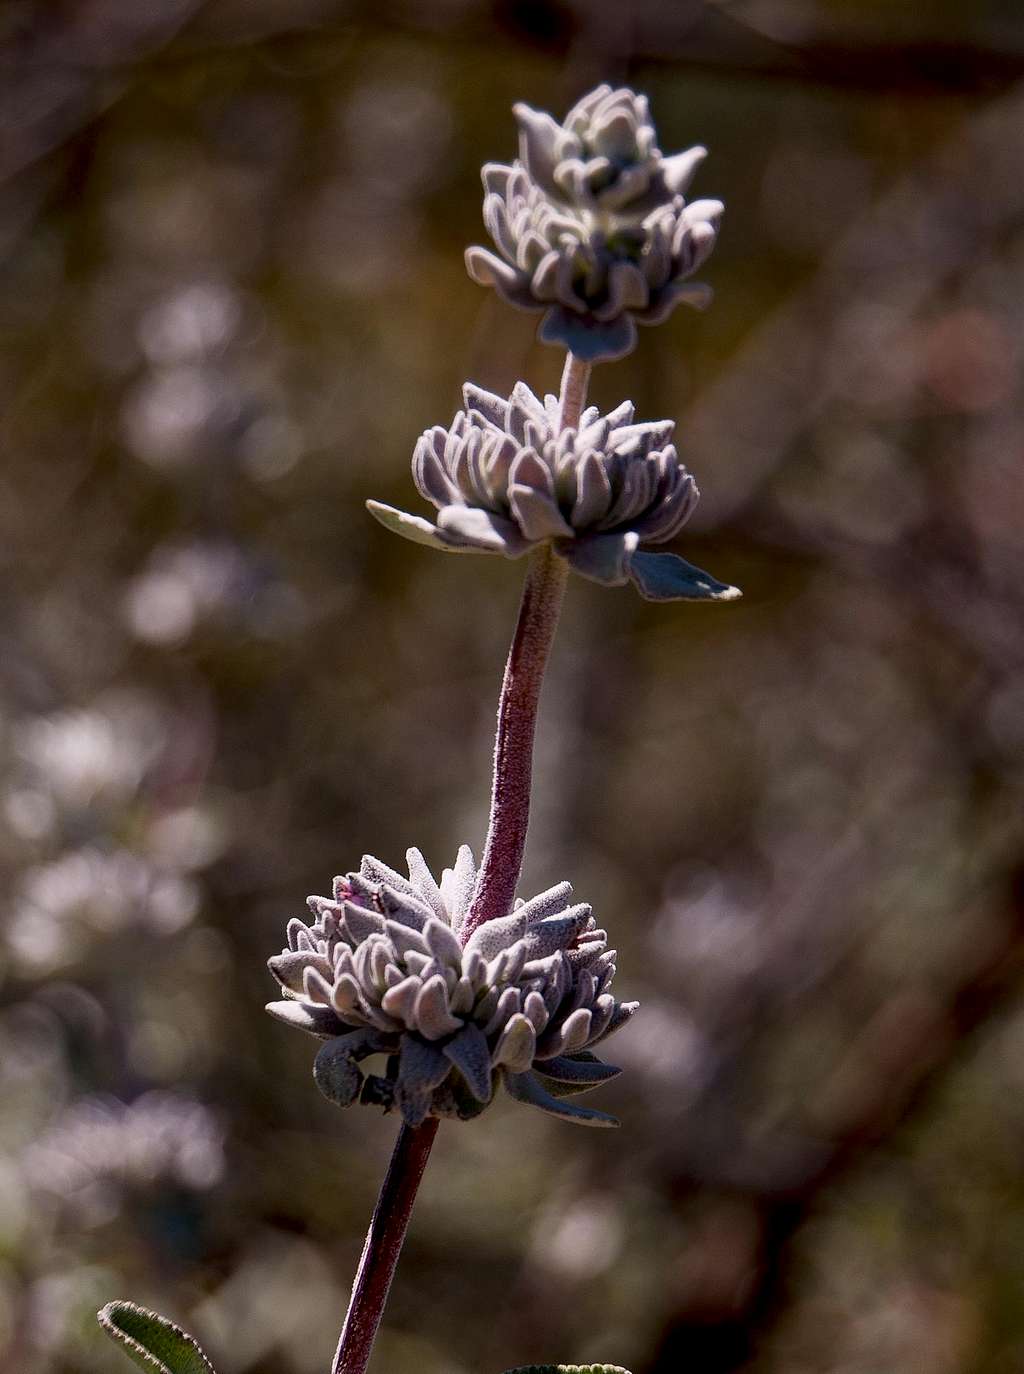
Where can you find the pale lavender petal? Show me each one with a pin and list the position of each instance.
(538, 134)
(537, 515)
(457, 885)
(487, 270)
(547, 903)
(423, 881)
(494, 936)
(677, 171)
(482, 529)
(443, 943)
(400, 1001)
(516, 1045)
(493, 408)
(429, 474)
(316, 1020)
(433, 1018)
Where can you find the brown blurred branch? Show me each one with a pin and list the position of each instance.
(891, 1074)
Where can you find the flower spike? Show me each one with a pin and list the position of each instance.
(591, 226)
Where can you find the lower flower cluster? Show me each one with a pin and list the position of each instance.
(383, 970)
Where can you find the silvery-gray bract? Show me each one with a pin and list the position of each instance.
(384, 970)
(505, 477)
(591, 225)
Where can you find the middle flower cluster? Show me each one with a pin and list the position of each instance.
(505, 477)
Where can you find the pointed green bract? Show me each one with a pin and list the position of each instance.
(151, 1341)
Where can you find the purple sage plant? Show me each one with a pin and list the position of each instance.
(454, 988)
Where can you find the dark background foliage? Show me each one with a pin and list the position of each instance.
(231, 295)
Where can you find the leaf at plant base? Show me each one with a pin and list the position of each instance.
(569, 1369)
(151, 1341)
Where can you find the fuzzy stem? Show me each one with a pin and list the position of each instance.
(383, 1245)
(517, 706)
(513, 747)
(494, 895)
(573, 395)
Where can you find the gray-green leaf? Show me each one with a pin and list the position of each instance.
(414, 527)
(151, 1341)
(526, 1087)
(667, 577)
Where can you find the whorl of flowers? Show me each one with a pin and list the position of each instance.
(384, 970)
(505, 477)
(591, 225)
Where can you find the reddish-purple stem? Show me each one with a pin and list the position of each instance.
(494, 895)
(383, 1245)
(517, 706)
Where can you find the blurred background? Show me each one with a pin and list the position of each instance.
(231, 296)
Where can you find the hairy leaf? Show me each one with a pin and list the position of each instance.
(151, 1341)
(667, 577)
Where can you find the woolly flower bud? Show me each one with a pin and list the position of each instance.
(604, 156)
(505, 477)
(591, 226)
(384, 970)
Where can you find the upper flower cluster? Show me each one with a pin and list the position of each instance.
(505, 476)
(591, 225)
(385, 968)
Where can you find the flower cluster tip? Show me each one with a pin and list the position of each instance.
(590, 225)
